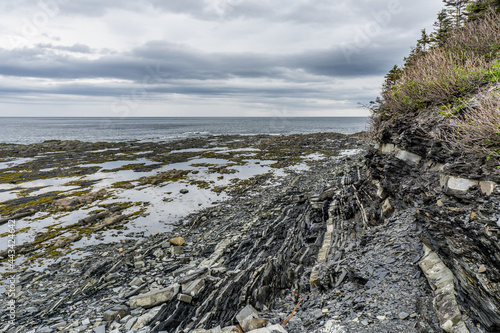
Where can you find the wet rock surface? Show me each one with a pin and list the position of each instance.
(57, 208)
(335, 248)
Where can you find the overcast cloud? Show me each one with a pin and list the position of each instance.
(201, 57)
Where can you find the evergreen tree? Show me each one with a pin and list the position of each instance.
(392, 77)
(443, 27)
(456, 8)
(476, 9)
(423, 41)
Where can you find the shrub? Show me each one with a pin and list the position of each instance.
(442, 80)
(479, 37)
(437, 77)
(477, 127)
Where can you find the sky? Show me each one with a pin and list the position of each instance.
(164, 58)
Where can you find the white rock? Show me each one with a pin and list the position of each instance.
(408, 157)
(380, 190)
(441, 280)
(387, 208)
(248, 312)
(130, 323)
(146, 318)
(387, 148)
(193, 288)
(155, 297)
(332, 326)
(270, 329)
(184, 298)
(455, 185)
(487, 187)
(158, 253)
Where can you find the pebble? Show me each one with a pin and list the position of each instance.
(403, 315)
(137, 281)
(177, 241)
(139, 264)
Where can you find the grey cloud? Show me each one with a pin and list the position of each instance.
(140, 92)
(76, 48)
(93, 7)
(309, 12)
(178, 62)
(291, 97)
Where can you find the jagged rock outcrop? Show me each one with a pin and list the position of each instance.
(458, 204)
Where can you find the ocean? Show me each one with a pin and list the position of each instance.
(32, 130)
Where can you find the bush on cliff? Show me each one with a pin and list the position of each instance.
(450, 81)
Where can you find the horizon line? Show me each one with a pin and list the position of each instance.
(184, 117)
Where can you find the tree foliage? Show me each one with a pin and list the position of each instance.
(442, 27)
(477, 9)
(456, 10)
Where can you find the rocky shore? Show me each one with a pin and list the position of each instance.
(367, 239)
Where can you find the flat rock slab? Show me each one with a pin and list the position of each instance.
(193, 288)
(408, 157)
(441, 280)
(456, 185)
(154, 298)
(111, 314)
(270, 329)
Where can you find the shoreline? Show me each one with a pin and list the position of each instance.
(49, 185)
(32, 131)
(246, 200)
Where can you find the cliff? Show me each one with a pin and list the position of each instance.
(455, 198)
(436, 129)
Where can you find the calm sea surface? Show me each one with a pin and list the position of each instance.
(31, 130)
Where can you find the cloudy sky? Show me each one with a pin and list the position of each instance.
(201, 57)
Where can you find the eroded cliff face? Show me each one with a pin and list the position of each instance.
(457, 203)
